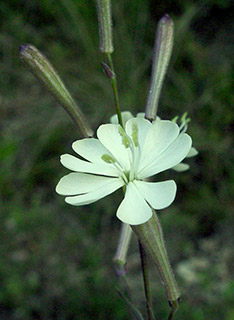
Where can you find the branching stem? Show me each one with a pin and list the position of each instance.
(174, 307)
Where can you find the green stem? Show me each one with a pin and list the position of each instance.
(144, 267)
(174, 307)
(115, 89)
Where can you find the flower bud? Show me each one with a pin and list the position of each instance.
(105, 26)
(107, 70)
(162, 53)
(48, 77)
(122, 249)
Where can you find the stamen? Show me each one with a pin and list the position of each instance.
(107, 158)
(184, 122)
(135, 134)
(184, 117)
(125, 139)
(175, 119)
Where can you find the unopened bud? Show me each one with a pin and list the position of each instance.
(110, 74)
(105, 26)
(122, 249)
(162, 53)
(48, 77)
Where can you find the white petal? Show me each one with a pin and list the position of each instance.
(173, 155)
(142, 115)
(72, 163)
(126, 115)
(159, 138)
(110, 137)
(181, 167)
(133, 209)
(77, 183)
(93, 196)
(90, 148)
(158, 194)
(143, 126)
(192, 153)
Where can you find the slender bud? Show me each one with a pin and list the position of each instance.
(151, 236)
(162, 53)
(122, 249)
(48, 77)
(105, 26)
(107, 70)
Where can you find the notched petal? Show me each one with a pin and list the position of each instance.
(133, 209)
(80, 183)
(158, 194)
(72, 163)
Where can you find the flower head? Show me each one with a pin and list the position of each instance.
(125, 157)
(180, 167)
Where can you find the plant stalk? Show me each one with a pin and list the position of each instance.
(145, 273)
(115, 89)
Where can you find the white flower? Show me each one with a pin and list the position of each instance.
(124, 158)
(180, 167)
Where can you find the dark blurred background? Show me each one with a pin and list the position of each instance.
(55, 259)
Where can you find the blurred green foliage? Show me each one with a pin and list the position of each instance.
(56, 260)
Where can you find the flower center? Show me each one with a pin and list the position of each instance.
(110, 160)
(132, 144)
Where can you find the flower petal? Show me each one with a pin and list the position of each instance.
(133, 209)
(90, 148)
(181, 167)
(140, 115)
(110, 137)
(160, 136)
(93, 196)
(126, 115)
(173, 155)
(72, 163)
(158, 194)
(78, 183)
(192, 152)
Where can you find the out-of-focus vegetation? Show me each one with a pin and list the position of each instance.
(56, 260)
